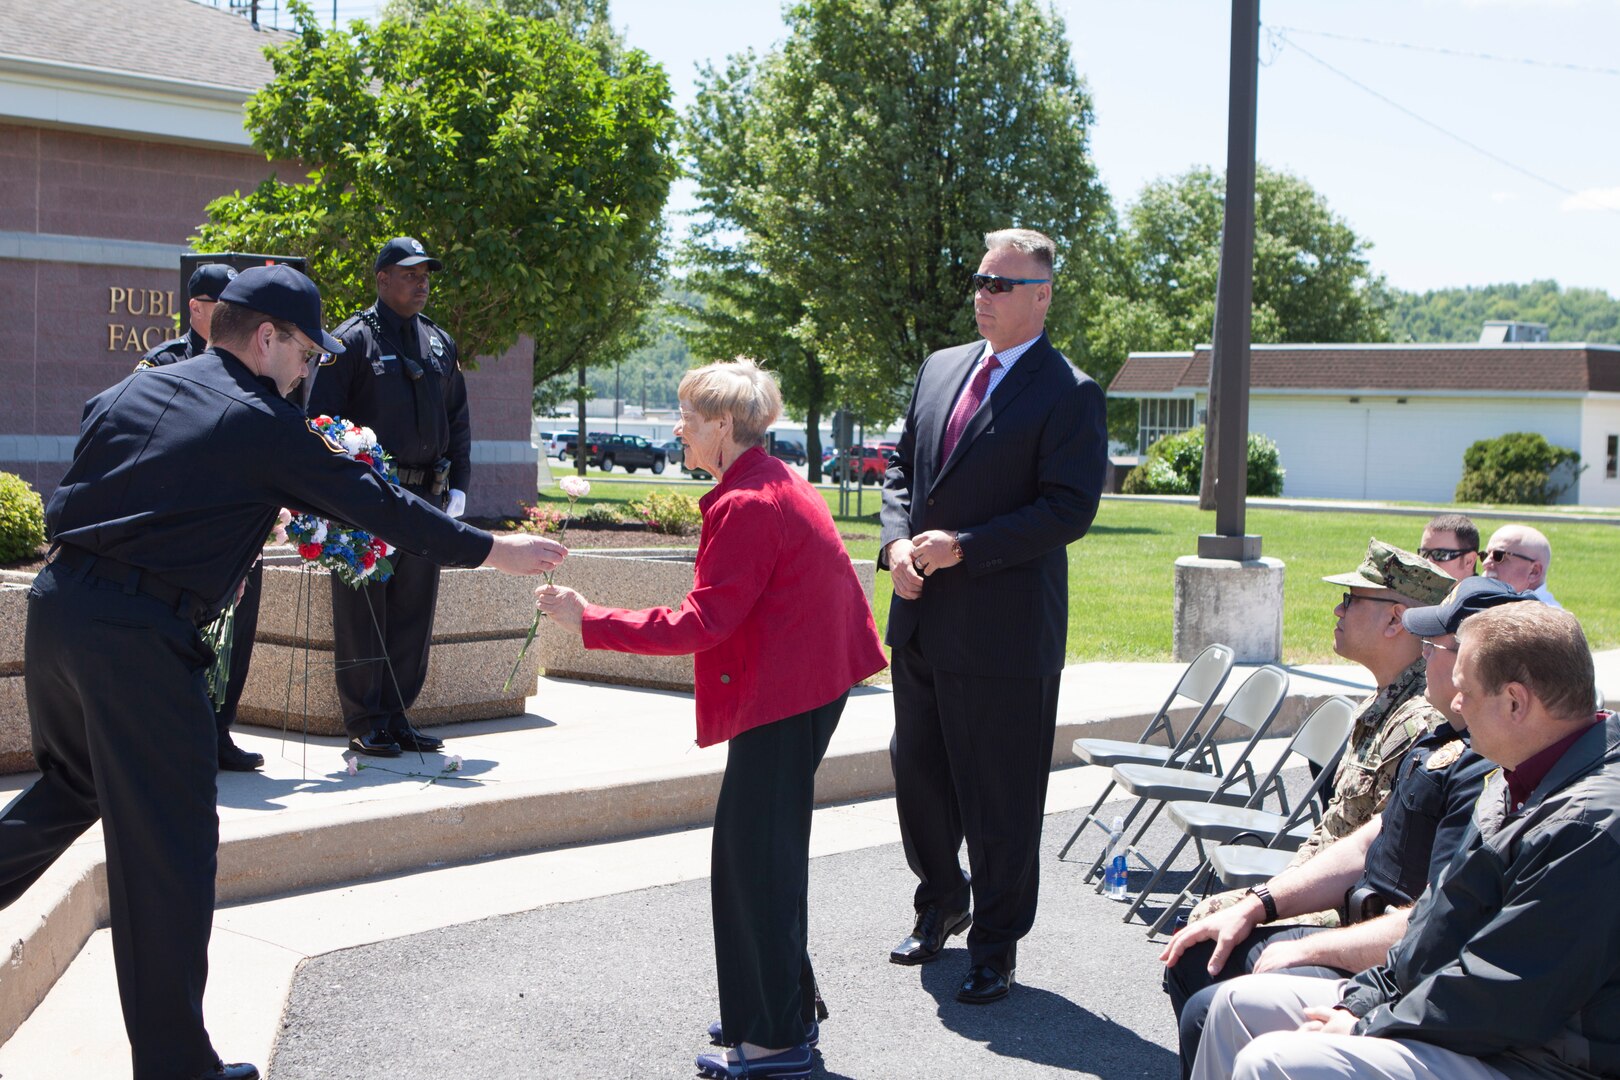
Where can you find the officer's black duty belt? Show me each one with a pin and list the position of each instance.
(433, 477)
(186, 604)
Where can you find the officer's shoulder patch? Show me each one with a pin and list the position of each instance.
(1445, 756)
(331, 443)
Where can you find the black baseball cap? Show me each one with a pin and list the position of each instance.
(281, 291)
(1470, 597)
(209, 280)
(406, 251)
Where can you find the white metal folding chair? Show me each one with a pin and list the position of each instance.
(1320, 740)
(1254, 706)
(1198, 686)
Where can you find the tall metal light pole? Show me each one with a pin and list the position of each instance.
(1226, 439)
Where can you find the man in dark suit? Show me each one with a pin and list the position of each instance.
(1000, 468)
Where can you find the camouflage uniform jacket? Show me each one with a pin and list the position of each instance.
(1386, 727)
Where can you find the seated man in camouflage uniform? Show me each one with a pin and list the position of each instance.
(1374, 875)
(1369, 632)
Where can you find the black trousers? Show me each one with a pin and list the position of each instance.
(971, 757)
(123, 731)
(1191, 987)
(246, 627)
(375, 694)
(760, 878)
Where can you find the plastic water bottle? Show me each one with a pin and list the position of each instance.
(1115, 875)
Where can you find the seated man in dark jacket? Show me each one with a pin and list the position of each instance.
(1503, 970)
(1371, 877)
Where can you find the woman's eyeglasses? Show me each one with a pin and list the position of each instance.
(995, 284)
(1440, 555)
(1429, 645)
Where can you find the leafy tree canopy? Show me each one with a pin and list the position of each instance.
(1590, 315)
(503, 143)
(848, 178)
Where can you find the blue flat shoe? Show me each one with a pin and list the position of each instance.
(793, 1064)
(812, 1034)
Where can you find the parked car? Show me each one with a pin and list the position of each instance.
(889, 449)
(593, 440)
(789, 450)
(551, 442)
(674, 451)
(631, 451)
(864, 464)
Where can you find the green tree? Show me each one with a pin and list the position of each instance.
(1459, 314)
(848, 179)
(1312, 280)
(505, 144)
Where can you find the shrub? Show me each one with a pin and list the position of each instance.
(22, 519)
(669, 512)
(600, 515)
(1175, 466)
(541, 519)
(1516, 468)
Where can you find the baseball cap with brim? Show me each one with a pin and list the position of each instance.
(209, 280)
(1393, 569)
(1470, 596)
(286, 294)
(406, 251)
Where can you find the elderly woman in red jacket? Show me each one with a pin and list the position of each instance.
(772, 577)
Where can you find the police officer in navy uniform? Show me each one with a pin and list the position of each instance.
(203, 289)
(398, 375)
(175, 482)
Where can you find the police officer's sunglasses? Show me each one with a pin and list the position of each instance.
(1443, 554)
(994, 284)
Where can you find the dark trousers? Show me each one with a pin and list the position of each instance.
(971, 757)
(123, 731)
(375, 694)
(245, 628)
(1191, 987)
(760, 878)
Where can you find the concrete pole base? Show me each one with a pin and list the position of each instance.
(1235, 603)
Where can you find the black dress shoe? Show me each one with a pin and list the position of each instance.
(239, 1071)
(420, 741)
(233, 758)
(983, 985)
(377, 743)
(928, 937)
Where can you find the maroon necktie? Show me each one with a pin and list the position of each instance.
(967, 406)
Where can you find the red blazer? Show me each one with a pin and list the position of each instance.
(776, 618)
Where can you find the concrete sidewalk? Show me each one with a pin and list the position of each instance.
(580, 794)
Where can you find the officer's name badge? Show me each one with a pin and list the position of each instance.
(380, 362)
(331, 443)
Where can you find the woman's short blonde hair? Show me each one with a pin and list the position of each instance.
(740, 389)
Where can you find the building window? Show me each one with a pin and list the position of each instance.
(1609, 469)
(1158, 417)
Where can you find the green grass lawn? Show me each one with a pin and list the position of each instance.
(1121, 575)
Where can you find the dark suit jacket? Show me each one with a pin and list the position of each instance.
(1022, 484)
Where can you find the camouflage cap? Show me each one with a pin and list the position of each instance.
(1389, 567)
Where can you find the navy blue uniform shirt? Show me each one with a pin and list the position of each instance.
(179, 470)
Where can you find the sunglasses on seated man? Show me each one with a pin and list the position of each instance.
(1502, 555)
(994, 284)
(1443, 554)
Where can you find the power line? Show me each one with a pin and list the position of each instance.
(1441, 49)
(1278, 36)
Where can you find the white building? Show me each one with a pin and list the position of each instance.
(1391, 422)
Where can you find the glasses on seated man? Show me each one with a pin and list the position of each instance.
(1502, 554)
(1442, 555)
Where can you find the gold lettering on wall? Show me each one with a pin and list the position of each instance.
(147, 303)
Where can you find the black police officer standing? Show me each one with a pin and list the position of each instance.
(399, 376)
(207, 281)
(175, 482)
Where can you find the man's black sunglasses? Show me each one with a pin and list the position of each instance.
(995, 284)
(1443, 554)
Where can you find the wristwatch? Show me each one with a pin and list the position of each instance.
(956, 548)
(1263, 894)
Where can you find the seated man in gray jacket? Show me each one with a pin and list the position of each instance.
(1503, 971)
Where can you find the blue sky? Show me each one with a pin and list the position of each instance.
(1437, 212)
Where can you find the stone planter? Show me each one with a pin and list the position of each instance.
(16, 754)
(633, 578)
(479, 626)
